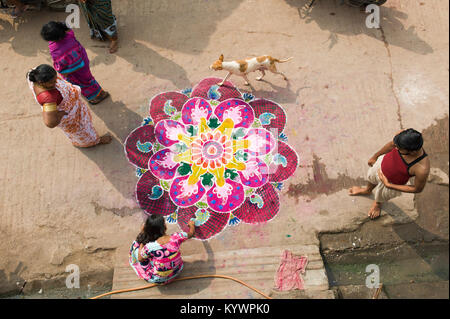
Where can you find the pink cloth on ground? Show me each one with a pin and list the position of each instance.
(289, 272)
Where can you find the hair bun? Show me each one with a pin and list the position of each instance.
(32, 75)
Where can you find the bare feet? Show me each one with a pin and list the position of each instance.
(103, 95)
(375, 210)
(114, 46)
(356, 190)
(105, 139)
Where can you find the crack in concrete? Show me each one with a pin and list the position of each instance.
(122, 212)
(391, 77)
(19, 118)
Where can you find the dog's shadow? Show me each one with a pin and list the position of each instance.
(195, 268)
(278, 94)
(341, 19)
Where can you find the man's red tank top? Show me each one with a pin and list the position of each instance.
(395, 168)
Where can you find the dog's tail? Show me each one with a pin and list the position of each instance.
(282, 61)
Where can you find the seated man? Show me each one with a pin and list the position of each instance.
(392, 167)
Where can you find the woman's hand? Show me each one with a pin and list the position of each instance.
(372, 160)
(383, 179)
(140, 258)
(61, 114)
(191, 225)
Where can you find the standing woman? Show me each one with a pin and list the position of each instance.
(62, 106)
(71, 60)
(101, 21)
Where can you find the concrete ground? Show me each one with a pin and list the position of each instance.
(350, 90)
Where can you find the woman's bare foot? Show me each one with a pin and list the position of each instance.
(114, 46)
(375, 210)
(103, 95)
(105, 139)
(356, 190)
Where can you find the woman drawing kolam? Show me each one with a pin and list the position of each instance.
(63, 107)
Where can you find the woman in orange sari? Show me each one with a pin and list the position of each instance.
(63, 107)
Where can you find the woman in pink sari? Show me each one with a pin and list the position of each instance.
(71, 61)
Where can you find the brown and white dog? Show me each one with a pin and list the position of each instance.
(243, 67)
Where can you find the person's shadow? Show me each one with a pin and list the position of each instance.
(111, 158)
(412, 233)
(14, 282)
(340, 19)
(193, 268)
(181, 26)
(143, 60)
(23, 33)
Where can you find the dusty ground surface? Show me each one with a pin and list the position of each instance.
(351, 88)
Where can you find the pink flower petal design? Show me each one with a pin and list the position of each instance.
(226, 91)
(240, 112)
(147, 186)
(167, 131)
(162, 166)
(249, 212)
(161, 104)
(226, 198)
(261, 106)
(194, 109)
(279, 173)
(135, 151)
(213, 226)
(256, 173)
(262, 141)
(185, 195)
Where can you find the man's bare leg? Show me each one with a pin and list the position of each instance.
(114, 45)
(357, 190)
(375, 210)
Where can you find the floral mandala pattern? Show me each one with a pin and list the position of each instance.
(211, 154)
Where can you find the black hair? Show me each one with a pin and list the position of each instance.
(42, 74)
(154, 228)
(54, 31)
(409, 140)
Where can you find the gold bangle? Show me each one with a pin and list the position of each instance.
(50, 107)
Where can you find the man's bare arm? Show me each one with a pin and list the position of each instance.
(419, 183)
(384, 150)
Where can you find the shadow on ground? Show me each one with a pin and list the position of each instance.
(111, 159)
(340, 19)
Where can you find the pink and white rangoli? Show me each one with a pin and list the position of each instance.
(212, 154)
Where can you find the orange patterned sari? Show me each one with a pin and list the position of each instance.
(77, 124)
